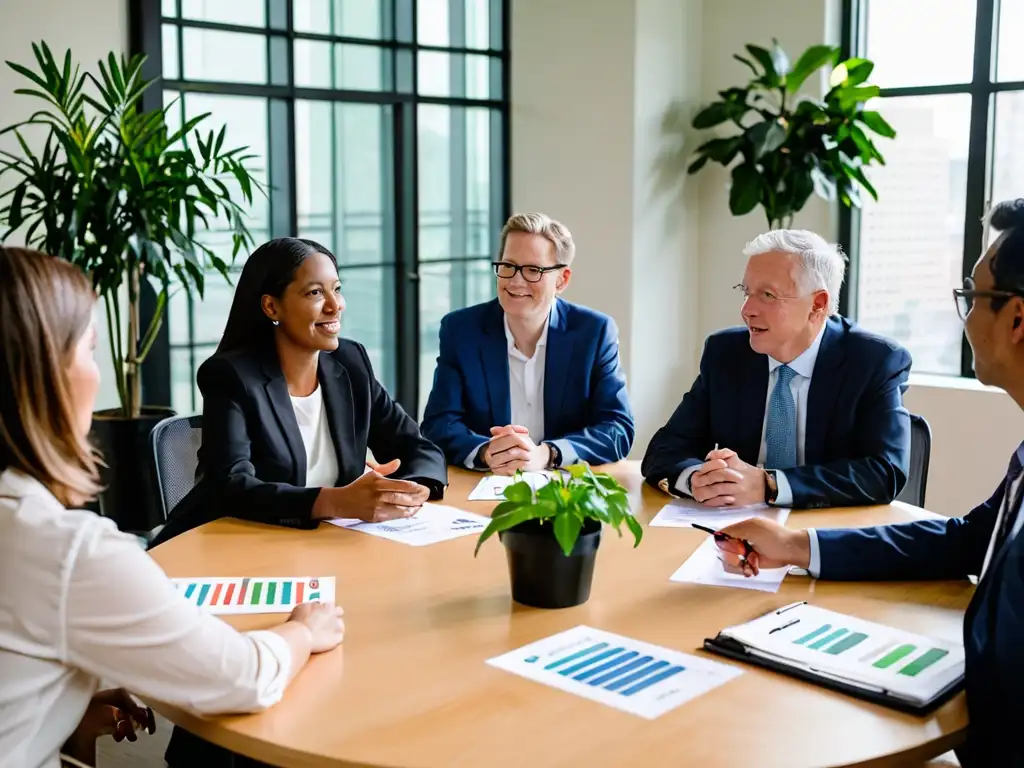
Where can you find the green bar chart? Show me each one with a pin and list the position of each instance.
(905, 659)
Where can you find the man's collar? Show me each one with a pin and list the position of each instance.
(804, 363)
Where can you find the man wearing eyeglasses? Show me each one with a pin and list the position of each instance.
(987, 542)
(799, 407)
(529, 381)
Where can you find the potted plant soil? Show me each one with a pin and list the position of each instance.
(551, 535)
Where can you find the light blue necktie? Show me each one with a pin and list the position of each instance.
(781, 433)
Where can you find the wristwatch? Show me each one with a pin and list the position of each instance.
(666, 487)
(555, 460)
(771, 486)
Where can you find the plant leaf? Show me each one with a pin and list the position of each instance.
(878, 124)
(712, 115)
(766, 137)
(510, 520)
(635, 528)
(697, 164)
(567, 530)
(810, 61)
(746, 189)
(749, 63)
(764, 58)
(780, 61)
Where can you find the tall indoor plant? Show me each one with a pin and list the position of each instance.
(551, 535)
(789, 147)
(119, 194)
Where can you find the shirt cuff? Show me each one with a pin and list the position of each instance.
(683, 481)
(785, 495)
(569, 455)
(814, 567)
(273, 671)
(470, 462)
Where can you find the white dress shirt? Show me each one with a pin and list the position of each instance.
(800, 385)
(321, 460)
(526, 394)
(82, 602)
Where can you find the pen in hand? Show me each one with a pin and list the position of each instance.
(720, 536)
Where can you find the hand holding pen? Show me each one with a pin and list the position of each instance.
(751, 545)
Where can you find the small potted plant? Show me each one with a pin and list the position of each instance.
(551, 535)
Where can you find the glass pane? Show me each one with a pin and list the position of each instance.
(229, 57)
(343, 167)
(169, 33)
(904, 58)
(182, 381)
(449, 74)
(177, 315)
(346, 18)
(445, 286)
(1010, 64)
(454, 183)
(1007, 150)
(434, 23)
(169, 8)
(911, 241)
(210, 314)
(370, 316)
(248, 13)
(354, 67)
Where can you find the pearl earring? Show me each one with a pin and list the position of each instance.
(275, 322)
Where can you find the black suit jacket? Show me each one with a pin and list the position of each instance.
(857, 441)
(252, 463)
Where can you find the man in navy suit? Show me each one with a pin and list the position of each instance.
(529, 381)
(799, 408)
(986, 542)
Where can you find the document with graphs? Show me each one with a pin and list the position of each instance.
(872, 661)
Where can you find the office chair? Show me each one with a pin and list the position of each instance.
(920, 454)
(176, 443)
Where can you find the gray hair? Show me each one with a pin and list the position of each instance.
(824, 264)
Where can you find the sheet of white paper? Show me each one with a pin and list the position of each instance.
(681, 512)
(705, 567)
(492, 487)
(255, 594)
(433, 523)
(630, 675)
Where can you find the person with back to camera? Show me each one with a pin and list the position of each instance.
(81, 602)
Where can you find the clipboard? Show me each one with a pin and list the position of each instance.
(736, 650)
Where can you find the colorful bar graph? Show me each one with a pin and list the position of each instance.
(846, 643)
(923, 661)
(894, 655)
(814, 634)
(817, 645)
(253, 595)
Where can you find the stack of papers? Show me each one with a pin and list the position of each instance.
(681, 512)
(492, 487)
(705, 566)
(433, 523)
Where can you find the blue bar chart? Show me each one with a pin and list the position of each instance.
(630, 675)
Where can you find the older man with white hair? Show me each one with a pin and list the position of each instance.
(800, 408)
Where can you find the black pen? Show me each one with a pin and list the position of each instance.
(720, 536)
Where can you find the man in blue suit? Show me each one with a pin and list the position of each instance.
(986, 542)
(799, 408)
(529, 381)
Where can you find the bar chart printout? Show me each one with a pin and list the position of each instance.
(630, 675)
(255, 594)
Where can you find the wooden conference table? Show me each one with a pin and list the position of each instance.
(409, 686)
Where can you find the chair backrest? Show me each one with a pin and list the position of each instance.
(175, 456)
(920, 454)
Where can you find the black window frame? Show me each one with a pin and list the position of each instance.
(982, 89)
(145, 36)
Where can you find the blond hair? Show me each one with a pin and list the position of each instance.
(46, 305)
(542, 224)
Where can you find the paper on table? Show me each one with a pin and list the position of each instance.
(681, 512)
(492, 487)
(705, 566)
(255, 594)
(630, 675)
(433, 523)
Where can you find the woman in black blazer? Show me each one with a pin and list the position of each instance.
(289, 409)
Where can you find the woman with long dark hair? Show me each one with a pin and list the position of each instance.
(290, 409)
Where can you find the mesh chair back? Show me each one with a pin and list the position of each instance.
(175, 453)
(920, 454)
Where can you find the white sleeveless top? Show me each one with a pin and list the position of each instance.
(321, 460)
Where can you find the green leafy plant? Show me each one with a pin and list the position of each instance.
(567, 501)
(790, 147)
(118, 193)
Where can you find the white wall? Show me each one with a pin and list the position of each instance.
(91, 29)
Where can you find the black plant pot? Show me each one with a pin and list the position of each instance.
(541, 575)
(130, 497)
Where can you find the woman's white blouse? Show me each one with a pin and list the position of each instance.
(80, 602)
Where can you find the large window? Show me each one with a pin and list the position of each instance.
(953, 88)
(379, 128)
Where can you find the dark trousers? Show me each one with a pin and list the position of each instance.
(186, 750)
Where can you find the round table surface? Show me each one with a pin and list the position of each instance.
(410, 686)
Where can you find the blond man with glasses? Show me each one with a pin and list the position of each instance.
(529, 381)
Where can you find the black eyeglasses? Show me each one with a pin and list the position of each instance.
(531, 273)
(964, 297)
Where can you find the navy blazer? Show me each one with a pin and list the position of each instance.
(585, 400)
(857, 437)
(252, 462)
(993, 624)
